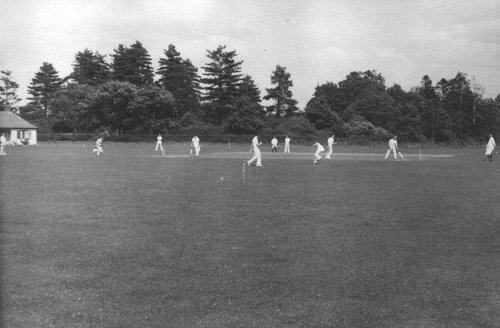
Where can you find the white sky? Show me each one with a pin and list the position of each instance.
(317, 40)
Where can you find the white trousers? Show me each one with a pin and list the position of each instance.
(287, 149)
(159, 145)
(256, 157)
(317, 156)
(196, 150)
(98, 150)
(330, 151)
(393, 149)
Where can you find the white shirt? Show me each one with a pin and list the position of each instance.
(330, 141)
(320, 148)
(393, 143)
(287, 140)
(491, 142)
(98, 142)
(490, 146)
(195, 141)
(159, 138)
(255, 141)
(274, 142)
(3, 140)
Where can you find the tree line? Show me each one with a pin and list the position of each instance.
(126, 95)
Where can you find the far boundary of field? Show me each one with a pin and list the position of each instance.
(308, 156)
(246, 139)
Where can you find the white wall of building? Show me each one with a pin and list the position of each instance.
(16, 135)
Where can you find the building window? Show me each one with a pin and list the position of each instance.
(23, 134)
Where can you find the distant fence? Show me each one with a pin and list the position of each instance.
(185, 138)
(143, 137)
(239, 139)
(205, 138)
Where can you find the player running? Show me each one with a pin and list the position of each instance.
(98, 147)
(317, 154)
(490, 146)
(256, 152)
(331, 142)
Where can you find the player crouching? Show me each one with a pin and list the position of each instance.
(317, 154)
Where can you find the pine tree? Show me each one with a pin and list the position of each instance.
(43, 86)
(119, 68)
(8, 92)
(250, 90)
(281, 94)
(132, 65)
(140, 61)
(247, 116)
(222, 79)
(90, 68)
(180, 77)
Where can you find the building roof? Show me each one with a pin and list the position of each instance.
(9, 120)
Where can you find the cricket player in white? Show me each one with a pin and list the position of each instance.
(98, 147)
(3, 143)
(256, 152)
(274, 145)
(393, 146)
(317, 154)
(195, 143)
(287, 145)
(490, 146)
(159, 144)
(331, 142)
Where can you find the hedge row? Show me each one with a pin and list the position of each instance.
(241, 139)
(166, 138)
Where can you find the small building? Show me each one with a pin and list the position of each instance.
(17, 130)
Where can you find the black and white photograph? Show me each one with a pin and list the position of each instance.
(249, 163)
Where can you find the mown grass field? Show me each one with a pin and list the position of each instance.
(131, 239)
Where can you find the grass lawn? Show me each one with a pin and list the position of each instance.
(133, 239)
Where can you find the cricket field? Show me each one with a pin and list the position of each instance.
(135, 239)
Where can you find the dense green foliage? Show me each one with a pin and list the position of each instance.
(362, 105)
(128, 96)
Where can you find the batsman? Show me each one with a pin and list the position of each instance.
(393, 147)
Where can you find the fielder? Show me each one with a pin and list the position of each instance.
(159, 144)
(3, 143)
(274, 145)
(256, 152)
(393, 146)
(317, 154)
(490, 146)
(98, 147)
(287, 145)
(331, 142)
(195, 144)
